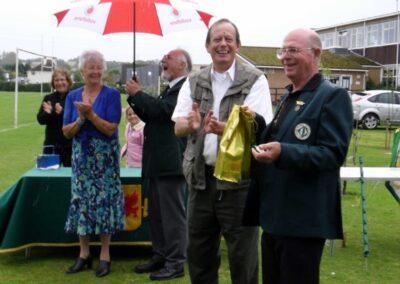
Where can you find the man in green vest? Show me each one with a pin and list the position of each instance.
(215, 207)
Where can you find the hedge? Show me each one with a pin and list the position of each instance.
(10, 87)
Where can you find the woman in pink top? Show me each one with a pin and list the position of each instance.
(134, 140)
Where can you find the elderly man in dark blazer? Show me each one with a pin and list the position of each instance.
(299, 157)
(162, 169)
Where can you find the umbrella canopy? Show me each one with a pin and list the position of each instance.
(144, 16)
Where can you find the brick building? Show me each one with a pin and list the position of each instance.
(376, 38)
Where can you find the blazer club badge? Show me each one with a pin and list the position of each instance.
(299, 104)
(302, 131)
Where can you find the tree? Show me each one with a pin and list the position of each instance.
(2, 75)
(77, 76)
(8, 58)
(22, 68)
(63, 64)
(112, 77)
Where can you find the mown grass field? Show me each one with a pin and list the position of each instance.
(19, 148)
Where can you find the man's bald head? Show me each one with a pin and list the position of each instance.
(308, 35)
(302, 63)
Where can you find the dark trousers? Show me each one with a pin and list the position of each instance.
(167, 212)
(213, 213)
(287, 260)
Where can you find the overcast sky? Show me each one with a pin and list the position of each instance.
(30, 25)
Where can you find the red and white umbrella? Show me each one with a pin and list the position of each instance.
(157, 17)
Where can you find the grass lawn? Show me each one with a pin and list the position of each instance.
(19, 148)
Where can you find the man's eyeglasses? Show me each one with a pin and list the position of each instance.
(291, 51)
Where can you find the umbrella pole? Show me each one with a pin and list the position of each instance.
(134, 42)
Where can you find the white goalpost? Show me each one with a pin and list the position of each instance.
(43, 57)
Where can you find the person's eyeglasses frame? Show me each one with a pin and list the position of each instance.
(291, 51)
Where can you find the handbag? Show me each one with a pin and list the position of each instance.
(48, 161)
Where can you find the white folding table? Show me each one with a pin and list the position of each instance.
(370, 173)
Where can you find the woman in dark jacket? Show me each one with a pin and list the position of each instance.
(51, 114)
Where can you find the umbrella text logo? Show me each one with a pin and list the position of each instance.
(175, 12)
(178, 18)
(87, 17)
(181, 21)
(89, 11)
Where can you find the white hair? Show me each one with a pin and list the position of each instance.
(91, 55)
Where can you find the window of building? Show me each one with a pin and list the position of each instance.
(389, 76)
(346, 82)
(388, 32)
(334, 79)
(357, 37)
(322, 38)
(373, 35)
(344, 38)
(327, 40)
(343, 81)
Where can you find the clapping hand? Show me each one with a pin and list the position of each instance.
(84, 108)
(47, 107)
(59, 108)
(212, 125)
(194, 117)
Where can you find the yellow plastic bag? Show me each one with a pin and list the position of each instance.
(234, 155)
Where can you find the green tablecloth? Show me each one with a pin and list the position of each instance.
(33, 211)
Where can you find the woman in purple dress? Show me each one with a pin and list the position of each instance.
(91, 117)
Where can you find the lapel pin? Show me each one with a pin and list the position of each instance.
(298, 105)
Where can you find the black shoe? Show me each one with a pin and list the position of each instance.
(167, 273)
(80, 264)
(151, 266)
(103, 269)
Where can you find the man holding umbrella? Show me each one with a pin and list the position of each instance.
(162, 169)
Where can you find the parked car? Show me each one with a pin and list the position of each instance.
(358, 95)
(375, 107)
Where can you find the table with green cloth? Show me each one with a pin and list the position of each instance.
(33, 211)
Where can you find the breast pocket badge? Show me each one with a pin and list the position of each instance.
(302, 131)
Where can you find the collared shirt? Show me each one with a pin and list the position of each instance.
(258, 100)
(290, 103)
(173, 82)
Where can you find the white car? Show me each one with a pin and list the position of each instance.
(358, 95)
(375, 107)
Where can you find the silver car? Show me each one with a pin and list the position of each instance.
(375, 107)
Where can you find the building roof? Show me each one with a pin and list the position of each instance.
(266, 56)
(47, 65)
(357, 21)
(260, 56)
